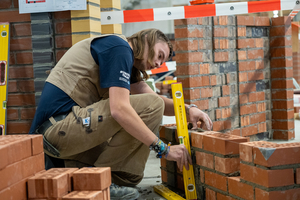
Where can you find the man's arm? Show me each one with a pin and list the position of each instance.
(194, 115)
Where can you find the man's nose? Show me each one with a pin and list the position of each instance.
(157, 64)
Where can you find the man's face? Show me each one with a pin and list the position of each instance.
(161, 54)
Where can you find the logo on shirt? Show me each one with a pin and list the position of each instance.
(124, 77)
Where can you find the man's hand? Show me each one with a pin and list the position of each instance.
(181, 155)
(196, 115)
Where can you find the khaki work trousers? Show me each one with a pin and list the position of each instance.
(107, 144)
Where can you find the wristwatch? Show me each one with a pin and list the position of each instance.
(188, 108)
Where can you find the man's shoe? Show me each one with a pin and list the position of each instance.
(128, 193)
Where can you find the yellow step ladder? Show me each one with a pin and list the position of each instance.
(4, 58)
(183, 135)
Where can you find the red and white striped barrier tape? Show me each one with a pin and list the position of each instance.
(165, 67)
(182, 12)
(295, 11)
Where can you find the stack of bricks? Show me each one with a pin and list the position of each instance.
(22, 157)
(230, 167)
(71, 184)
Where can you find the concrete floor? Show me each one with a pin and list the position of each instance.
(153, 174)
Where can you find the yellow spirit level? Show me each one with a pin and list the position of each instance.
(4, 52)
(183, 135)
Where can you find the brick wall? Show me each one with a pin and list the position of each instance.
(21, 98)
(224, 66)
(230, 167)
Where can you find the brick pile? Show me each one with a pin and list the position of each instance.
(71, 184)
(230, 167)
(22, 157)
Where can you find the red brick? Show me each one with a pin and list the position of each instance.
(24, 58)
(204, 159)
(282, 94)
(5, 4)
(277, 154)
(245, 120)
(186, 45)
(18, 147)
(180, 182)
(224, 144)
(267, 178)
(216, 180)
(221, 56)
(14, 16)
(245, 20)
(223, 197)
(12, 86)
(189, 57)
(280, 31)
(223, 20)
(237, 188)
(284, 125)
(191, 94)
(225, 90)
(201, 171)
(243, 98)
(224, 101)
(17, 191)
(188, 33)
(248, 109)
(262, 21)
(246, 153)
(163, 162)
(298, 176)
(262, 127)
(204, 68)
(60, 53)
(259, 64)
(36, 144)
(220, 32)
(164, 176)
(26, 86)
(277, 195)
(282, 114)
(68, 171)
(247, 65)
(97, 178)
(213, 80)
(64, 41)
(236, 132)
(254, 76)
(197, 138)
(256, 96)
(283, 135)
(281, 62)
(242, 55)
(227, 165)
(23, 29)
(27, 113)
(18, 127)
(20, 170)
(282, 84)
(254, 119)
(187, 21)
(218, 126)
(62, 15)
(192, 69)
(255, 54)
(286, 20)
(226, 113)
(280, 41)
(281, 52)
(243, 77)
(210, 194)
(202, 104)
(250, 130)
(20, 99)
(63, 27)
(19, 44)
(206, 92)
(48, 185)
(241, 32)
(21, 72)
(245, 43)
(12, 114)
(261, 107)
(84, 195)
(281, 73)
(247, 87)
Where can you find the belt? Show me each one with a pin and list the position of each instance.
(43, 128)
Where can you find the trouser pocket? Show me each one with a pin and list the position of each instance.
(50, 148)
